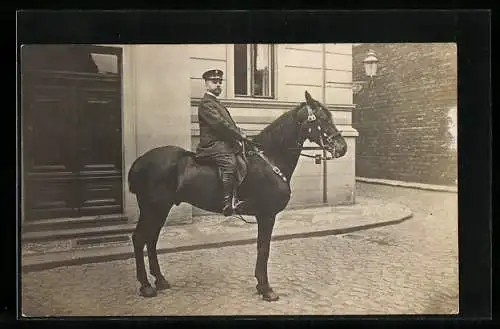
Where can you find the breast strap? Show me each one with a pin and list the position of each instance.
(276, 170)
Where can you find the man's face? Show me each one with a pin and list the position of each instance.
(214, 86)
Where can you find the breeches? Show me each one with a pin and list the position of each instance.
(225, 161)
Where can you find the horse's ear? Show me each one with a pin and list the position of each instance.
(309, 99)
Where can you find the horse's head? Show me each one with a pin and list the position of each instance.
(318, 126)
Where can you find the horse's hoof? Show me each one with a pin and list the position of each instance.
(267, 294)
(162, 284)
(148, 291)
(270, 296)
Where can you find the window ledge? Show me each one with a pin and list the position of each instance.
(269, 104)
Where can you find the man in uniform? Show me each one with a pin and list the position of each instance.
(220, 138)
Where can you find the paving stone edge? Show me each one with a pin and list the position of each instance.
(420, 186)
(95, 257)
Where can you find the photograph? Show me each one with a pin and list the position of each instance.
(238, 179)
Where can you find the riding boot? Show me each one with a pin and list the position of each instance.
(227, 185)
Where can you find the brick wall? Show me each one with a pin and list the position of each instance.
(405, 132)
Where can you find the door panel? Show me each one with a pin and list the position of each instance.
(49, 134)
(101, 194)
(99, 132)
(50, 197)
(99, 142)
(48, 145)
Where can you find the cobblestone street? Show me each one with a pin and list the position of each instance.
(407, 268)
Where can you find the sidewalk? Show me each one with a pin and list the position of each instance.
(217, 231)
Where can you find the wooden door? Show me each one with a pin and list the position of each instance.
(99, 151)
(48, 146)
(72, 143)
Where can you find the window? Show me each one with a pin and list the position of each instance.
(254, 70)
(72, 58)
(105, 63)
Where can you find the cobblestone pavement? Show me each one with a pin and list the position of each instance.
(402, 269)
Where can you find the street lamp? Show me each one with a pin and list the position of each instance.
(370, 63)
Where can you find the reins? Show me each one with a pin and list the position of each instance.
(311, 117)
(258, 149)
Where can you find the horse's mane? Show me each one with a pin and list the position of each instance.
(278, 132)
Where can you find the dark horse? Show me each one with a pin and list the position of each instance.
(169, 175)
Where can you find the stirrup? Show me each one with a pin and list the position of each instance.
(237, 203)
(236, 206)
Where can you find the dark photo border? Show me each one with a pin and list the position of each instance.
(469, 29)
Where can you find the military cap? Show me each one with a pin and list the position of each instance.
(213, 74)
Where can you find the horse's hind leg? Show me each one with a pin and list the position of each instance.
(139, 240)
(151, 219)
(158, 217)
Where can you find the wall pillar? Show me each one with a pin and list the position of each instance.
(156, 107)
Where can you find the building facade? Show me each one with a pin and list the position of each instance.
(407, 117)
(84, 125)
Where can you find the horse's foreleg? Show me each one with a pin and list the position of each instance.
(160, 283)
(265, 230)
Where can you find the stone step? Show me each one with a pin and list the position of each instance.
(102, 240)
(73, 223)
(77, 233)
(58, 246)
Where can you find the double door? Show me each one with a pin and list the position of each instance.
(71, 145)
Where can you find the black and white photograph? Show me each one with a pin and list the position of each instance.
(239, 179)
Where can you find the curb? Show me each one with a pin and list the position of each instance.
(79, 233)
(122, 255)
(420, 186)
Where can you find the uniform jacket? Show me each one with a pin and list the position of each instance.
(218, 131)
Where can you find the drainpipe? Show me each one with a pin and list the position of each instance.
(325, 186)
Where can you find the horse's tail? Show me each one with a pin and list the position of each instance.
(132, 180)
(136, 175)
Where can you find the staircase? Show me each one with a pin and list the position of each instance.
(78, 232)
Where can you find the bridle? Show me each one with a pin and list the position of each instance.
(311, 119)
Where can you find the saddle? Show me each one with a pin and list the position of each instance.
(189, 167)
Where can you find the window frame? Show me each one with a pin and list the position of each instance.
(250, 75)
